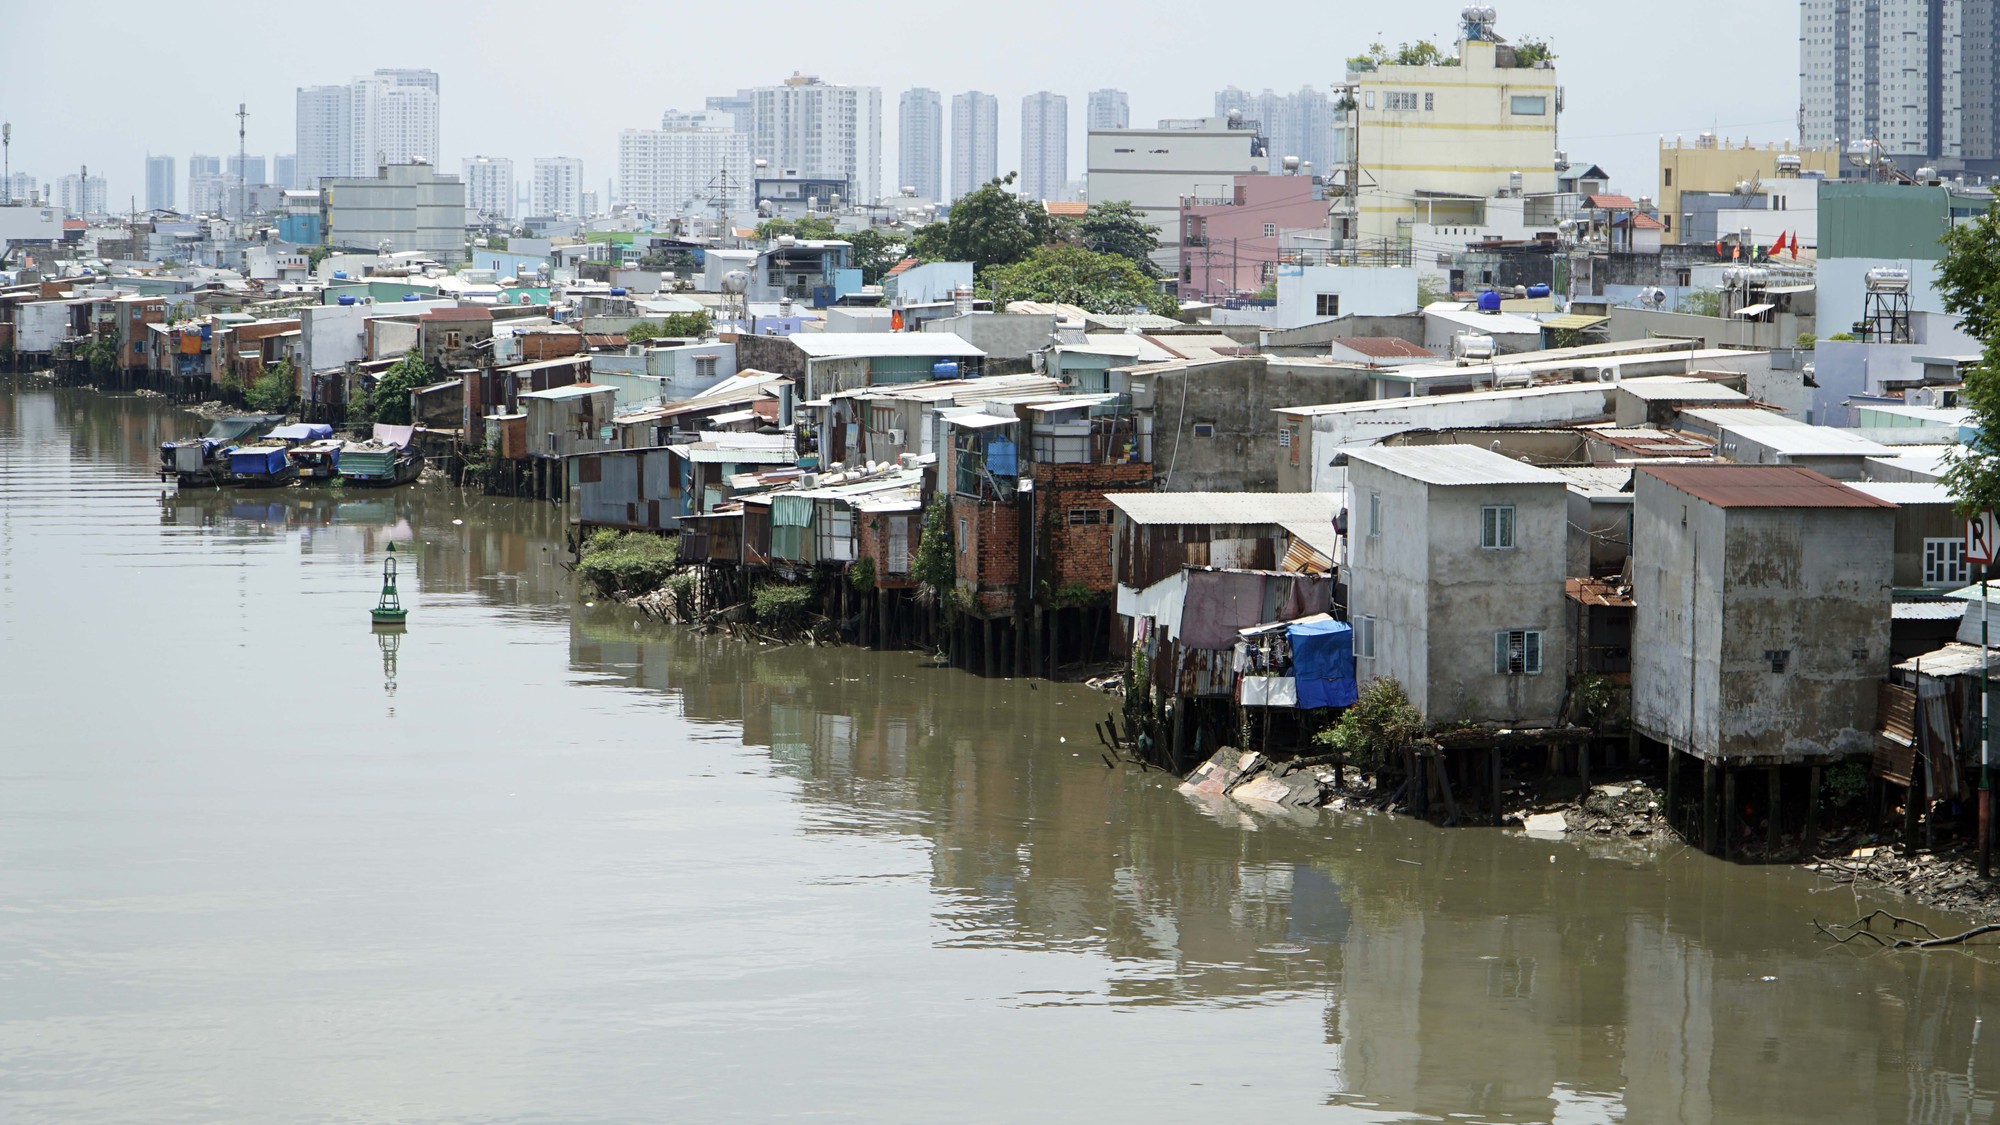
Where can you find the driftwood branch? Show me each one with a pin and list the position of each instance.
(1863, 927)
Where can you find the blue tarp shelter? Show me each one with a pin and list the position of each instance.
(303, 431)
(257, 460)
(1323, 663)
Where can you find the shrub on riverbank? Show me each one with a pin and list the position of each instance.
(781, 607)
(632, 563)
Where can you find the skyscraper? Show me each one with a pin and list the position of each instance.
(250, 168)
(1044, 146)
(489, 186)
(920, 153)
(159, 183)
(820, 130)
(285, 170)
(1916, 76)
(975, 141)
(78, 196)
(1108, 110)
(557, 187)
(388, 117)
(208, 189)
(684, 168)
(325, 132)
(736, 105)
(1299, 124)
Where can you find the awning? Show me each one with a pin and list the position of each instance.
(980, 421)
(1574, 321)
(1753, 310)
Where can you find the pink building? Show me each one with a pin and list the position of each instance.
(1229, 247)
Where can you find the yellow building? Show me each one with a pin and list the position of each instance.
(1706, 165)
(1485, 127)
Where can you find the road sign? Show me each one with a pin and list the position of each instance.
(1982, 539)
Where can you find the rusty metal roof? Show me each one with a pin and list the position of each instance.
(1761, 486)
(1598, 591)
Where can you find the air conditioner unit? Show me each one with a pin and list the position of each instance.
(895, 437)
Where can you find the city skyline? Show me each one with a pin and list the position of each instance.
(485, 110)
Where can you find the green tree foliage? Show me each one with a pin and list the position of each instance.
(1116, 227)
(100, 355)
(674, 326)
(1381, 722)
(1968, 279)
(1100, 283)
(276, 390)
(1700, 302)
(389, 403)
(812, 227)
(1421, 53)
(989, 227)
(780, 606)
(1528, 52)
(632, 563)
(936, 564)
(877, 250)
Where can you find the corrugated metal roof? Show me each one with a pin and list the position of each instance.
(1954, 659)
(1574, 321)
(1446, 402)
(1809, 441)
(1726, 416)
(1170, 508)
(868, 345)
(1901, 494)
(1761, 486)
(1680, 388)
(1929, 611)
(1449, 465)
(1594, 481)
(1383, 347)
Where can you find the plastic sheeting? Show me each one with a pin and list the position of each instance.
(1323, 663)
(303, 431)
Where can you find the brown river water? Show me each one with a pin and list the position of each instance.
(573, 866)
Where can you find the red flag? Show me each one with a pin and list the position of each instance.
(1777, 246)
(1718, 248)
(896, 321)
(1795, 247)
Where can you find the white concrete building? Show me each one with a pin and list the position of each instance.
(79, 195)
(556, 189)
(1430, 133)
(682, 170)
(1916, 76)
(975, 140)
(920, 147)
(404, 207)
(1044, 146)
(1108, 109)
(489, 186)
(1308, 294)
(388, 117)
(1456, 557)
(816, 129)
(1154, 169)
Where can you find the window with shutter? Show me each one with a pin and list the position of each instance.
(1517, 652)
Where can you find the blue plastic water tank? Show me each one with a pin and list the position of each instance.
(946, 370)
(617, 292)
(340, 275)
(409, 296)
(347, 298)
(1538, 291)
(1489, 302)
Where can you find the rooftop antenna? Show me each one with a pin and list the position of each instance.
(7, 159)
(242, 162)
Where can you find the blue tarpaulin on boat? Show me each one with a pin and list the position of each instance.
(1323, 662)
(257, 460)
(303, 431)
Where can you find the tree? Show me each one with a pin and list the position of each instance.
(275, 390)
(936, 561)
(1100, 283)
(989, 226)
(1423, 53)
(812, 227)
(390, 401)
(1116, 227)
(1528, 52)
(1968, 280)
(674, 326)
(877, 250)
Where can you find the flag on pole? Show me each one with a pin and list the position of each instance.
(1778, 245)
(1795, 246)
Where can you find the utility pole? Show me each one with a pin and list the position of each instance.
(242, 163)
(7, 159)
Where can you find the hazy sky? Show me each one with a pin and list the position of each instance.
(526, 80)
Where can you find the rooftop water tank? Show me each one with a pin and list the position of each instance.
(347, 298)
(409, 296)
(617, 292)
(1537, 292)
(340, 275)
(944, 370)
(1489, 302)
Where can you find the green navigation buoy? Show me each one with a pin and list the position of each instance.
(389, 611)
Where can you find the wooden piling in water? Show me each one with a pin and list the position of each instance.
(1775, 783)
(1812, 811)
(1708, 796)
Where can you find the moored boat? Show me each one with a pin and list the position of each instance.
(195, 462)
(389, 458)
(318, 460)
(266, 464)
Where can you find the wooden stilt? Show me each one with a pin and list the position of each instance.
(1731, 815)
(1812, 811)
(1776, 812)
(1493, 764)
(1708, 810)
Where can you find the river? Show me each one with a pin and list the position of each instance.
(558, 863)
